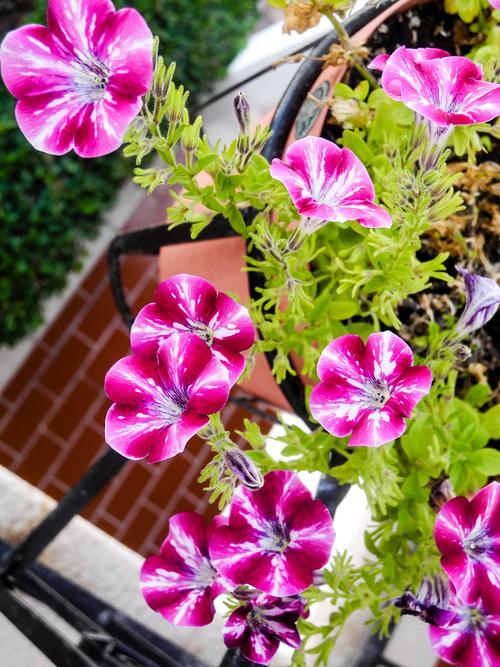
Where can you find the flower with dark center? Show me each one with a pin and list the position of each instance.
(186, 303)
(367, 391)
(180, 583)
(467, 534)
(259, 626)
(276, 536)
(80, 81)
(160, 404)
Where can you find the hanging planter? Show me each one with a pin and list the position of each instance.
(339, 243)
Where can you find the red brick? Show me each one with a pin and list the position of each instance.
(26, 419)
(27, 373)
(79, 457)
(116, 346)
(99, 315)
(107, 526)
(172, 476)
(140, 527)
(183, 505)
(128, 490)
(65, 321)
(38, 460)
(96, 277)
(7, 456)
(133, 269)
(53, 490)
(146, 295)
(73, 410)
(64, 365)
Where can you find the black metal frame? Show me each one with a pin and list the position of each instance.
(106, 635)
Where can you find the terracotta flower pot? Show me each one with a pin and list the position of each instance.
(221, 261)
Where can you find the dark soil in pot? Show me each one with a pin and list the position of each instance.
(471, 236)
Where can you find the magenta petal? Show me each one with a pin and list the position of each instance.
(182, 359)
(402, 68)
(33, 63)
(377, 427)
(260, 646)
(133, 430)
(367, 213)
(486, 507)
(176, 436)
(77, 23)
(132, 63)
(104, 123)
(231, 324)
(133, 381)
(343, 359)
(210, 391)
(235, 628)
(61, 115)
(337, 407)
(379, 62)
(387, 356)
(149, 329)
(453, 524)
(464, 573)
(234, 362)
(179, 583)
(186, 299)
(450, 643)
(413, 384)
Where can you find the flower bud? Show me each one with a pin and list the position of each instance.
(463, 352)
(482, 298)
(242, 468)
(190, 137)
(430, 603)
(441, 492)
(242, 112)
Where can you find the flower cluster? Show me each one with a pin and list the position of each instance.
(273, 540)
(186, 356)
(464, 611)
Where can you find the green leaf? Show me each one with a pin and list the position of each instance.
(478, 395)
(491, 421)
(358, 145)
(486, 461)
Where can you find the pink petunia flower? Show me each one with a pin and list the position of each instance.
(79, 81)
(472, 638)
(326, 184)
(482, 298)
(467, 534)
(160, 404)
(259, 625)
(446, 90)
(181, 584)
(367, 391)
(276, 537)
(189, 303)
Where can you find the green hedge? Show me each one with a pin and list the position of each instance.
(50, 205)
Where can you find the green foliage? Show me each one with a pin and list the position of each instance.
(50, 206)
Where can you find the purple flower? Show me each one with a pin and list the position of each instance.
(327, 183)
(430, 603)
(259, 625)
(276, 536)
(447, 90)
(472, 638)
(160, 404)
(79, 82)
(189, 303)
(482, 298)
(367, 391)
(467, 534)
(181, 583)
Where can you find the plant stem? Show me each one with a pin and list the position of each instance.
(345, 42)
